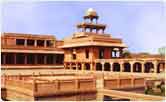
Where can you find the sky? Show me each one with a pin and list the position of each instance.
(140, 25)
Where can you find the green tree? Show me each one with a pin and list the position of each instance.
(126, 54)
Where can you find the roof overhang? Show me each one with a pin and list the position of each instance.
(31, 51)
(93, 44)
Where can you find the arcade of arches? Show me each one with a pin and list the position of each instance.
(136, 66)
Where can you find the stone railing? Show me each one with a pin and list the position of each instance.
(39, 86)
(118, 83)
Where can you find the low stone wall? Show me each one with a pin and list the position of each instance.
(116, 83)
(29, 88)
(60, 87)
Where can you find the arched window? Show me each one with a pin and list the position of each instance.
(116, 67)
(87, 66)
(127, 67)
(98, 66)
(107, 67)
(149, 67)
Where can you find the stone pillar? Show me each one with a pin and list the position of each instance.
(35, 41)
(70, 66)
(65, 65)
(102, 66)
(76, 66)
(91, 67)
(121, 67)
(155, 66)
(94, 66)
(131, 66)
(142, 66)
(112, 67)
(83, 67)
(25, 42)
(45, 43)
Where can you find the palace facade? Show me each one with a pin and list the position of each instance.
(89, 49)
(92, 49)
(30, 51)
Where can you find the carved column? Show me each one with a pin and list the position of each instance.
(121, 67)
(25, 42)
(111, 67)
(65, 65)
(131, 66)
(142, 66)
(82, 64)
(45, 43)
(76, 66)
(102, 66)
(91, 67)
(35, 41)
(155, 66)
(94, 66)
(70, 65)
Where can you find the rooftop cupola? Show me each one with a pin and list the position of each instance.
(91, 14)
(89, 25)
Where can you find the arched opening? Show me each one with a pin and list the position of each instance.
(160, 67)
(98, 66)
(137, 67)
(73, 66)
(149, 67)
(87, 66)
(127, 67)
(107, 67)
(79, 66)
(116, 67)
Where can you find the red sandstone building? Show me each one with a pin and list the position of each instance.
(30, 51)
(92, 49)
(89, 49)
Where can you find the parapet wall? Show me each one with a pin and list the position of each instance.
(29, 88)
(123, 83)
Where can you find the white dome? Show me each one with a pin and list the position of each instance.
(91, 12)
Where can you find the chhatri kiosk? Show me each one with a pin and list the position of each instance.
(92, 49)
